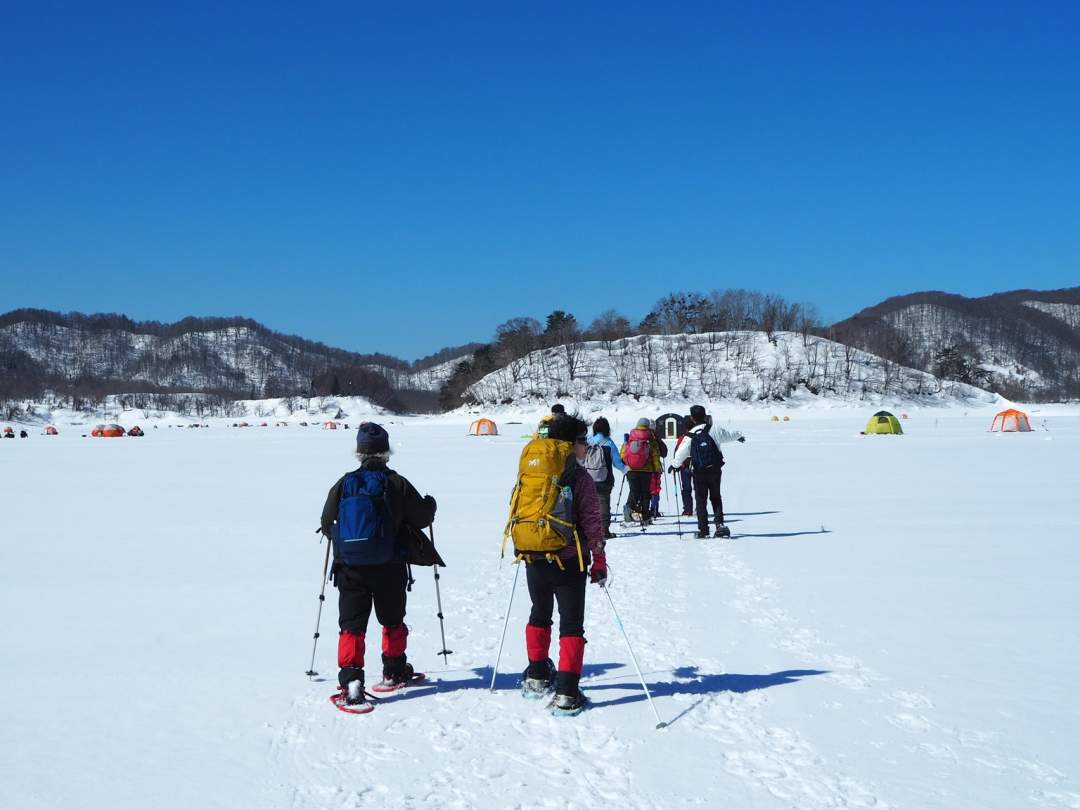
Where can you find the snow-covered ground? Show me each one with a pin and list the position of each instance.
(893, 625)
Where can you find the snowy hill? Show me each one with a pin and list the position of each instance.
(739, 366)
(89, 356)
(1022, 344)
(426, 379)
(203, 355)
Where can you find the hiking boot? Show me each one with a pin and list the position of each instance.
(354, 693)
(538, 679)
(399, 676)
(347, 675)
(568, 704)
(722, 531)
(688, 513)
(702, 535)
(396, 673)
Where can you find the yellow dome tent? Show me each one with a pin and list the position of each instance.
(883, 422)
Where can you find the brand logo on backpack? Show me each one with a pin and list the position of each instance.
(361, 535)
(704, 452)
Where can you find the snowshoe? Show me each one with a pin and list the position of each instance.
(352, 699)
(394, 682)
(568, 705)
(722, 531)
(538, 680)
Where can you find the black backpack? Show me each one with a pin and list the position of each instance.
(704, 451)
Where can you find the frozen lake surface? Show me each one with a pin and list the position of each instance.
(893, 624)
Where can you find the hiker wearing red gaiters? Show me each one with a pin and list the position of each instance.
(365, 514)
(561, 577)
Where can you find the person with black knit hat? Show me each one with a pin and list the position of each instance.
(701, 448)
(561, 578)
(557, 410)
(367, 516)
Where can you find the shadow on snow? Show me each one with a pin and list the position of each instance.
(480, 679)
(690, 682)
(687, 681)
(781, 534)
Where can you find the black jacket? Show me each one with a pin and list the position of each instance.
(407, 508)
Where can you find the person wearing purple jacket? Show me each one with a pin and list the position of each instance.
(563, 580)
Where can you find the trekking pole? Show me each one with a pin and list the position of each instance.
(618, 504)
(502, 640)
(438, 599)
(678, 505)
(659, 723)
(311, 673)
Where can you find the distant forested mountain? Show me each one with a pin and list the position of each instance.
(1023, 344)
(87, 357)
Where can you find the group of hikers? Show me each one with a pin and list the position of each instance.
(559, 523)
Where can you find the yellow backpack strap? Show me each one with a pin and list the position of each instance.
(554, 558)
(510, 519)
(580, 558)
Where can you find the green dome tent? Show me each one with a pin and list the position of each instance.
(883, 422)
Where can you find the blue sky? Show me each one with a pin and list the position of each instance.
(401, 177)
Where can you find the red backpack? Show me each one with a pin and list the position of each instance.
(638, 454)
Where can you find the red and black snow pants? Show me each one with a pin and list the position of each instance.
(360, 587)
(549, 584)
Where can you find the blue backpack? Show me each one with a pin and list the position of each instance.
(361, 535)
(704, 452)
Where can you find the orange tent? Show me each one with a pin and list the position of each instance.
(1011, 421)
(483, 427)
(136, 431)
(331, 425)
(51, 431)
(9, 431)
(107, 431)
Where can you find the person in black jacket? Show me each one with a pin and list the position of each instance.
(383, 584)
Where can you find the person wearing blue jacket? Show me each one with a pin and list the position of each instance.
(602, 437)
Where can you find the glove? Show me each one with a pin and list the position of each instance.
(599, 572)
(742, 439)
(430, 501)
